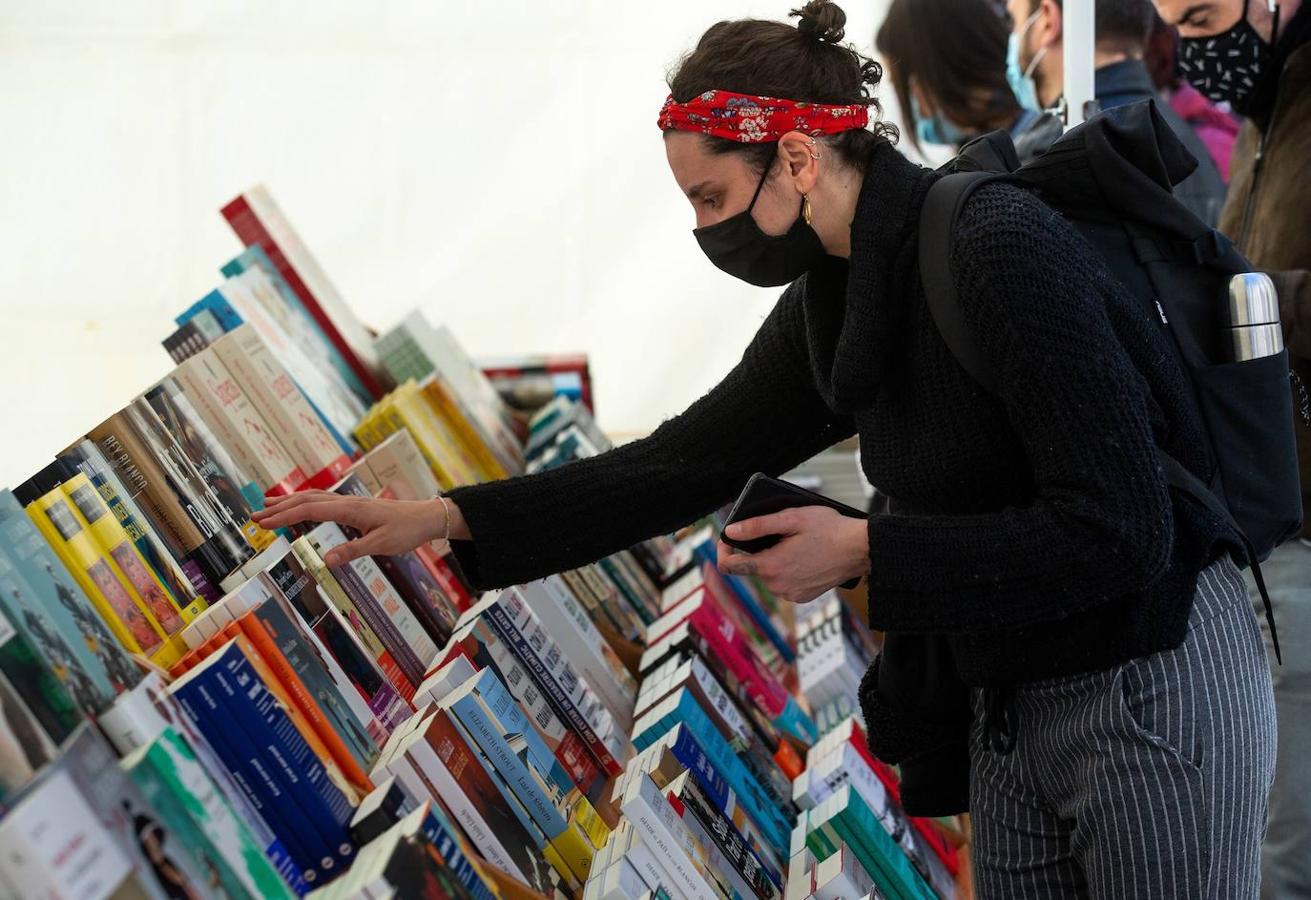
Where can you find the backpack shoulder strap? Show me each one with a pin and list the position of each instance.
(945, 199)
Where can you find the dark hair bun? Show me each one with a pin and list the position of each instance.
(822, 20)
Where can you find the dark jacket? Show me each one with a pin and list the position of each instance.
(1043, 540)
(1120, 84)
(1268, 215)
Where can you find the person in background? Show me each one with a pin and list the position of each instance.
(951, 81)
(1036, 66)
(1257, 58)
(1217, 128)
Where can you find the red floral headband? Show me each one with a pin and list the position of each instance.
(757, 120)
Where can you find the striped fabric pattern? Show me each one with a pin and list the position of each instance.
(1147, 780)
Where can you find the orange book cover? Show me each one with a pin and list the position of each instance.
(300, 696)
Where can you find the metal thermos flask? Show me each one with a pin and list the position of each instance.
(1254, 329)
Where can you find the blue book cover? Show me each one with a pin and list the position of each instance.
(440, 832)
(47, 607)
(302, 808)
(286, 741)
(747, 598)
(200, 697)
(757, 802)
(521, 770)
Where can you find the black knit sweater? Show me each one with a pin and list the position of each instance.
(1034, 527)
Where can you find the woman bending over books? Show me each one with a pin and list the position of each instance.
(1114, 732)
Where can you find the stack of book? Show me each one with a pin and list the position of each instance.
(194, 706)
(527, 383)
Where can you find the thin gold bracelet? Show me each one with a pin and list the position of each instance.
(446, 508)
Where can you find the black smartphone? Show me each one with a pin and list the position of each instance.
(764, 496)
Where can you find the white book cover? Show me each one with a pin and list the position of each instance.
(661, 829)
(52, 845)
(841, 877)
(276, 395)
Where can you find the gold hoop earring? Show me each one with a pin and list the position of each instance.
(805, 208)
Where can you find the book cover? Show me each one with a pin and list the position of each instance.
(87, 458)
(206, 697)
(265, 301)
(51, 512)
(474, 450)
(661, 829)
(279, 400)
(257, 220)
(236, 422)
(748, 874)
(398, 464)
(35, 685)
(235, 490)
(52, 845)
(367, 693)
(482, 647)
(323, 735)
(25, 743)
(44, 603)
(171, 507)
(161, 870)
(492, 717)
(365, 627)
(177, 785)
(94, 516)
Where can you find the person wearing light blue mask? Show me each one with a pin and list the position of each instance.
(1020, 77)
(950, 81)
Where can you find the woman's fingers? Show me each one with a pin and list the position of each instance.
(762, 526)
(339, 509)
(344, 553)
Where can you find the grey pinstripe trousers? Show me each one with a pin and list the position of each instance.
(1147, 780)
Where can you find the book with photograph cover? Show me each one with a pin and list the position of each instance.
(44, 602)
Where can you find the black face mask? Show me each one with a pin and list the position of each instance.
(740, 248)
(1228, 66)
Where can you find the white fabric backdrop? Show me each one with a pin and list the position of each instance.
(493, 163)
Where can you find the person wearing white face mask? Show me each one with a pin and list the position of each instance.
(1035, 67)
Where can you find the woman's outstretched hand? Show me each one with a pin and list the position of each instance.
(820, 548)
(387, 527)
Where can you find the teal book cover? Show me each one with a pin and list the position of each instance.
(46, 606)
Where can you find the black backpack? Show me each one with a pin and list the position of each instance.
(1111, 179)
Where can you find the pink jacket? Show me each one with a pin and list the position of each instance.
(1217, 129)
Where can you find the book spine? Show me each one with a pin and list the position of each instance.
(574, 631)
(325, 812)
(556, 696)
(53, 517)
(114, 543)
(660, 828)
(437, 834)
(750, 794)
(325, 682)
(300, 697)
(288, 853)
(734, 848)
(441, 784)
(251, 229)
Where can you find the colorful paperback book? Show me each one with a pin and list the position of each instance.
(237, 423)
(279, 400)
(38, 710)
(490, 714)
(359, 629)
(733, 864)
(87, 458)
(52, 845)
(45, 604)
(95, 572)
(257, 220)
(373, 702)
(315, 812)
(767, 620)
(236, 491)
(661, 829)
(175, 783)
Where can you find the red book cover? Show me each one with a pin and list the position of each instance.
(250, 230)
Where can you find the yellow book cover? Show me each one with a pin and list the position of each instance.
(397, 422)
(96, 574)
(418, 412)
(95, 516)
(482, 456)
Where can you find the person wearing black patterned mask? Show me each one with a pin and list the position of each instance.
(1256, 55)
